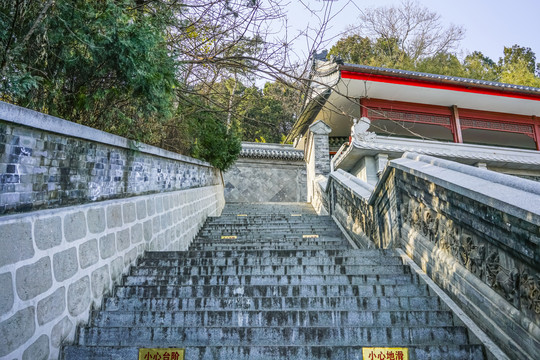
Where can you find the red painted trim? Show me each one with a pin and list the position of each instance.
(443, 110)
(470, 88)
(496, 116)
(364, 107)
(406, 106)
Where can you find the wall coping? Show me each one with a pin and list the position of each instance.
(359, 187)
(463, 152)
(513, 195)
(270, 151)
(27, 117)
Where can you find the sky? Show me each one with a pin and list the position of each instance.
(490, 25)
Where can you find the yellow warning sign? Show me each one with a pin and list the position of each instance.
(310, 236)
(383, 353)
(229, 236)
(161, 354)
(241, 215)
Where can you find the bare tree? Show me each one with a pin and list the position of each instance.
(418, 30)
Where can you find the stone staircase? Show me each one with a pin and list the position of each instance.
(275, 291)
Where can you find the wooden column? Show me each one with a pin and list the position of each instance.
(363, 108)
(456, 125)
(536, 128)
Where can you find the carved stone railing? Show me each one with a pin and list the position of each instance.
(475, 232)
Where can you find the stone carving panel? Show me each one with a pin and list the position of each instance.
(514, 281)
(358, 211)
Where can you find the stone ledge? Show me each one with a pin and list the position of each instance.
(515, 196)
(359, 187)
(270, 151)
(22, 116)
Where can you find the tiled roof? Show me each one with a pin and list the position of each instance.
(270, 151)
(437, 77)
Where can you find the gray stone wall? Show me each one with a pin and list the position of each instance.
(62, 250)
(266, 173)
(476, 233)
(47, 162)
(56, 264)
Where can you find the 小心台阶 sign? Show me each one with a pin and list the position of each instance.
(161, 354)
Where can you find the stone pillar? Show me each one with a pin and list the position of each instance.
(382, 160)
(317, 154)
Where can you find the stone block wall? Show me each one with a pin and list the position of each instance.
(64, 241)
(267, 173)
(56, 264)
(476, 233)
(48, 162)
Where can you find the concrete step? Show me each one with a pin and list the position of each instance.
(240, 280)
(269, 245)
(271, 270)
(270, 235)
(266, 222)
(304, 220)
(279, 352)
(234, 291)
(294, 253)
(269, 227)
(261, 318)
(269, 335)
(262, 222)
(274, 208)
(366, 303)
(272, 261)
(274, 240)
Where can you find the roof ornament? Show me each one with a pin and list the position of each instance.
(359, 130)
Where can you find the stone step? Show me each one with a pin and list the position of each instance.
(266, 226)
(273, 208)
(278, 352)
(235, 291)
(272, 261)
(300, 219)
(294, 253)
(289, 240)
(270, 270)
(371, 303)
(315, 245)
(271, 235)
(250, 223)
(240, 280)
(269, 219)
(265, 336)
(261, 318)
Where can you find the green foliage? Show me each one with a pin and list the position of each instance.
(443, 64)
(255, 113)
(115, 65)
(517, 66)
(479, 66)
(383, 52)
(213, 142)
(518, 55)
(100, 63)
(353, 49)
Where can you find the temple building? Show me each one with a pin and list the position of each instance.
(481, 123)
